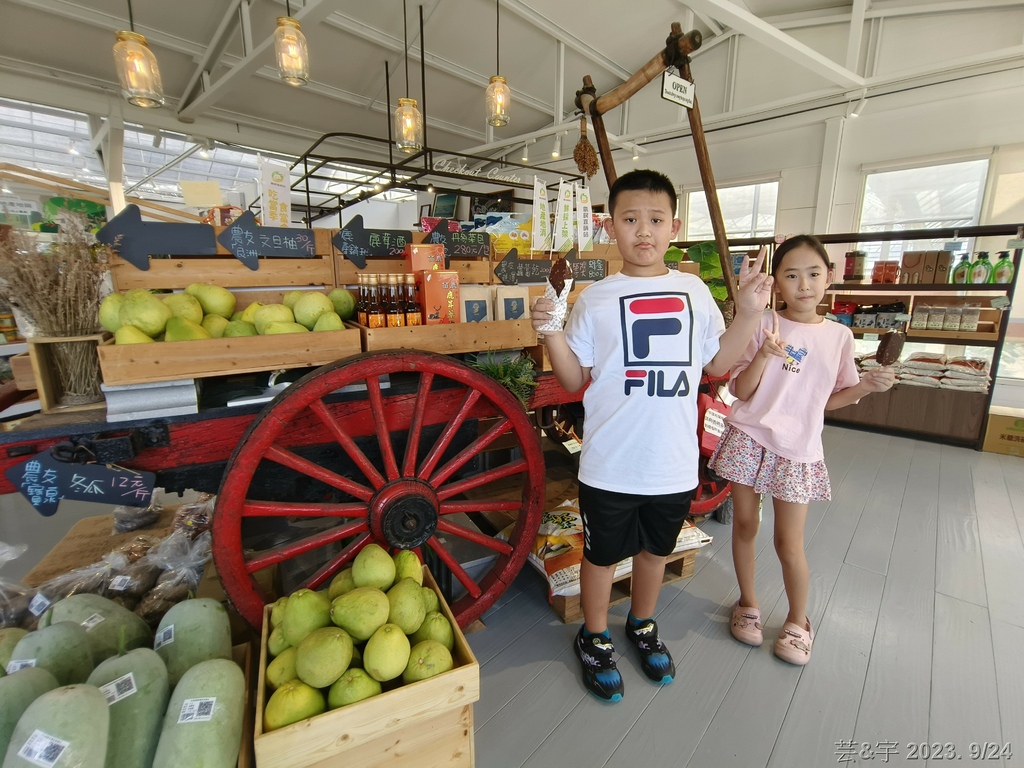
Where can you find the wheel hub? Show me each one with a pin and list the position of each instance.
(404, 513)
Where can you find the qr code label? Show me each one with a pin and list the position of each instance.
(164, 637)
(197, 710)
(118, 689)
(120, 583)
(42, 749)
(92, 621)
(14, 665)
(39, 604)
(714, 422)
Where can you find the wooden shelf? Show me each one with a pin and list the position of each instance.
(918, 288)
(977, 339)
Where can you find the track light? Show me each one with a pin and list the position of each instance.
(859, 108)
(556, 148)
(72, 149)
(158, 139)
(636, 153)
(526, 151)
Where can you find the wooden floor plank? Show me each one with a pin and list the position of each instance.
(897, 688)
(823, 712)
(959, 571)
(1001, 544)
(965, 702)
(1007, 642)
(1013, 475)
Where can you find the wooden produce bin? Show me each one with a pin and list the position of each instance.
(44, 371)
(428, 723)
(450, 339)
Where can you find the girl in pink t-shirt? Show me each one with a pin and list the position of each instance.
(799, 366)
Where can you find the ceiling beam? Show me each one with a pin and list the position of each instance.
(756, 29)
(214, 49)
(853, 42)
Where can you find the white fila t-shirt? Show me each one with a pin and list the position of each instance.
(646, 341)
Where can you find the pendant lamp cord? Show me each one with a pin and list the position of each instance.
(131, 19)
(497, 37)
(405, 31)
(287, 8)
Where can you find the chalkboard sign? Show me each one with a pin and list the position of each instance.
(588, 270)
(247, 241)
(356, 243)
(44, 481)
(460, 245)
(134, 240)
(512, 270)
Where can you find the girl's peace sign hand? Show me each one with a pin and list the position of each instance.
(771, 344)
(753, 287)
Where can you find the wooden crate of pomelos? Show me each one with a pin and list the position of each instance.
(398, 698)
(129, 359)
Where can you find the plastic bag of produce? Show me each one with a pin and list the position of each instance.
(181, 561)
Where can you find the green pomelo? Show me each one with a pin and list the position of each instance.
(215, 325)
(361, 611)
(183, 329)
(276, 644)
(275, 328)
(343, 303)
(386, 654)
(426, 659)
(277, 612)
(310, 306)
(373, 567)
(306, 610)
(357, 658)
(290, 298)
(183, 305)
(407, 565)
(292, 702)
(145, 311)
(341, 584)
(235, 316)
(355, 685)
(407, 609)
(271, 313)
(237, 328)
(110, 309)
(9, 637)
(129, 334)
(430, 599)
(249, 313)
(329, 321)
(323, 656)
(282, 669)
(435, 626)
(214, 299)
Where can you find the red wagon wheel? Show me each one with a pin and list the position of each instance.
(400, 493)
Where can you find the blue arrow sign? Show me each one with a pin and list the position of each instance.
(356, 243)
(247, 241)
(134, 240)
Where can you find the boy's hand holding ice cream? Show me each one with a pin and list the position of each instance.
(554, 305)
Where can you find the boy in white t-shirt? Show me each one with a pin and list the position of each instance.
(641, 339)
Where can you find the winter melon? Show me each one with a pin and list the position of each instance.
(190, 632)
(17, 691)
(137, 690)
(203, 724)
(61, 648)
(65, 726)
(104, 621)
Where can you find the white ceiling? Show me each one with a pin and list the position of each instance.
(58, 52)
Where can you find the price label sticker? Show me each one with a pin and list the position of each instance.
(1000, 302)
(39, 604)
(118, 689)
(92, 621)
(15, 665)
(42, 749)
(870, 337)
(1015, 242)
(120, 583)
(164, 637)
(573, 446)
(197, 710)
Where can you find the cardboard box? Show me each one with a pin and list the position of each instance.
(930, 260)
(854, 266)
(428, 723)
(1005, 431)
(943, 261)
(424, 256)
(511, 302)
(914, 268)
(439, 296)
(476, 303)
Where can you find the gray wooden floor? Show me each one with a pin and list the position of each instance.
(917, 597)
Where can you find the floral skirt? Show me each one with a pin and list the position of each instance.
(740, 459)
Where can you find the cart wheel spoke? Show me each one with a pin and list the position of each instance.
(475, 448)
(352, 509)
(338, 562)
(302, 546)
(453, 565)
(387, 450)
(499, 546)
(293, 461)
(449, 433)
(469, 507)
(484, 478)
(416, 427)
(347, 443)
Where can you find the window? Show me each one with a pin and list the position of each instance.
(928, 197)
(747, 211)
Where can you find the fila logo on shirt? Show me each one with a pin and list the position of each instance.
(793, 359)
(657, 342)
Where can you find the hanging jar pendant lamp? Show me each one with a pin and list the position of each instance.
(137, 69)
(290, 49)
(499, 97)
(408, 119)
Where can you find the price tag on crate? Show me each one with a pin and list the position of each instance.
(1000, 302)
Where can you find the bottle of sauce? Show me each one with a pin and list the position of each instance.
(413, 310)
(981, 270)
(961, 274)
(375, 314)
(1003, 269)
(393, 308)
(361, 301)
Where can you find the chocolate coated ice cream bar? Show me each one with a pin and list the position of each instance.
(889, 347)
(560, 272)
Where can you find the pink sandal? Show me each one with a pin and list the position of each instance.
(746, 625)
(794, 643)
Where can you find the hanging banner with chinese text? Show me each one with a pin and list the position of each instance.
(541, 217)
(564, 229)
(584, 220)
(275, 194)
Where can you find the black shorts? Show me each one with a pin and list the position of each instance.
(620, 525)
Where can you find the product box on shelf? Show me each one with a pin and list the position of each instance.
(943, 261)
(914, 267)
(424, 256)
(476, 303)
(512, 302)
(1005, 431)
(439, 296)
(853, 269)
(427, 723)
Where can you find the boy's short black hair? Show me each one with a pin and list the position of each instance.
(644, 180)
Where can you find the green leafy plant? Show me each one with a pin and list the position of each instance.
(516, 374)
(706, 255)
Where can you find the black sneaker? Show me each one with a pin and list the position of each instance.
(655, 659)
(600, 675)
